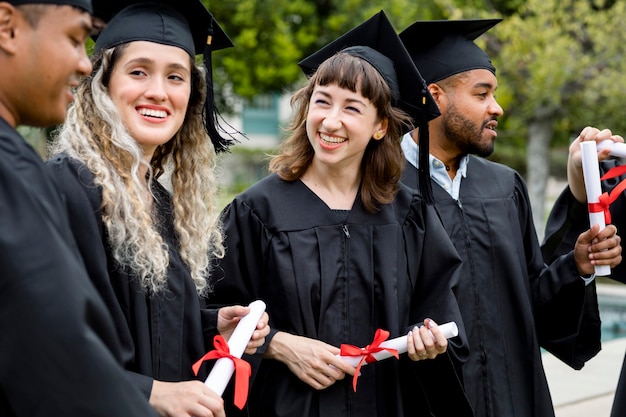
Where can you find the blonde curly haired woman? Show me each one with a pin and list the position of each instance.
(147, 245)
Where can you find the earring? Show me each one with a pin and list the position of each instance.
(378, 135)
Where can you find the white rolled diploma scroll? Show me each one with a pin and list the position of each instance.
(449, 330)
(224, 367)
(591, 174)
(617, 148)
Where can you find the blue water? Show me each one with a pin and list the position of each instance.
(612, 327)
(613, 316)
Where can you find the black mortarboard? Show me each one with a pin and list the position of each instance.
(81, 4)
(442, 48)
(186, 24)
(377, 42)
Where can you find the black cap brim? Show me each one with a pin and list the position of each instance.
(429, 32)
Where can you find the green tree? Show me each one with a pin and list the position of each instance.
(271, 36)
(559, 66)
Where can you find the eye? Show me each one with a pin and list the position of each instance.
(321, 101)
(176, 77)
(78, 37)
(137, 72)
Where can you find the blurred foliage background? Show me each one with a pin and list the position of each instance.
(559, 63)
(559, 67)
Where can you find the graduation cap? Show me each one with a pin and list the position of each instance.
(81, 4)
(442, 48)
(377, 42)
(185, 24)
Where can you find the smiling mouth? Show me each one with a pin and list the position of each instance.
(332, 139)
(159, 114)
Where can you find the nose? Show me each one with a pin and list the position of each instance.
(156, 89)
(495, 108)
(332, 120)
(84, 64)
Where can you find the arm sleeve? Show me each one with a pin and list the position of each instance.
(243, 256)
(440, 269)
(60, 353)
(566, 311)
(232, 273)
(439, 272)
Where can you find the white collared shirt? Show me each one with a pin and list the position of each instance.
(437, 168)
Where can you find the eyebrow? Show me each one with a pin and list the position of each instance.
(485, 85)
(147, 61)
(350, 100)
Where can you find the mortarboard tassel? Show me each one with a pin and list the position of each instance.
(424, 184)
(211, 114)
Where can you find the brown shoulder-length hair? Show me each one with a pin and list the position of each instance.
(383, 160)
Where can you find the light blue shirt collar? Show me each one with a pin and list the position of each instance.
(437, 168)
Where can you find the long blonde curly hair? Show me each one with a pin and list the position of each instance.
(95, 135)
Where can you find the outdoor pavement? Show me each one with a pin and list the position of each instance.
(590, 391)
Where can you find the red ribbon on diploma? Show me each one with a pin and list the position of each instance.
(242, 369)
(605, 200)
(366, 352)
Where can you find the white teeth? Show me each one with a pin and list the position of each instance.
(332, 139)
(153, 113)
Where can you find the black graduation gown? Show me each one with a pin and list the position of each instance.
(162, 336)
(510, 301)
(338, 280)
(59, 354)
(567, 220)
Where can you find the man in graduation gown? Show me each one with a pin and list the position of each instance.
(511, 302)
(570, 216)
(59, 354)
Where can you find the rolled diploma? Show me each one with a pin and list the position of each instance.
(449, 330)
(591, 174)
(617, 148)
(223, 369)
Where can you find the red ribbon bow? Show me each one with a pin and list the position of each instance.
(606, 199)
(367, 352)
(242, 369)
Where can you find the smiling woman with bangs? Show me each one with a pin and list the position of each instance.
(338, 249)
